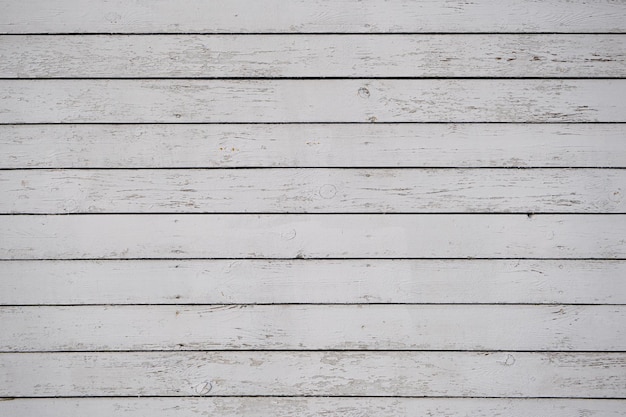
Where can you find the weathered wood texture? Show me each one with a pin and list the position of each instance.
(369, 134)
(312, 236)
(309, 407)
(313, 145)
(314, 191)
(270, 56)
(476, 374)
(423, 100)
(277, 16)
(312, 281)
(317, 327)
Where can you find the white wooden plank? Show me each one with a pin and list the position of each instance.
(329, 100)
(312, 281)
(313, 145)
(191, 56)
(296, 16)
(316, 327)
(313, 191)
(463, 374)
(309, 407)
(312, 236)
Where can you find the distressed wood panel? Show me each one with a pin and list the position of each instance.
(309, 407)
(271, 56)
(317, 327)
(495, 374)
(313, 145)
(70, 16)
(312, 236)
(312, 281)
(367, 84)
(149, 101)
(313, 191)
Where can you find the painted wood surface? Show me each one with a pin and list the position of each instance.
(313, 327)
(300, 208)
(312, 281)
(108, 56)
(312, 236)
(309, 407)
(314, 191)
(312, 145)
(473, 374)
(276, 16)
(425, 100)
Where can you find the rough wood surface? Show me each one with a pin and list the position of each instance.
(317, 327)
(312, 236)
(313, 145)
(278, 16)
(476, 374)
(219, 101)
(312, 281)
(271, 56)
(309, 407)
(300, 208)
(314, 191)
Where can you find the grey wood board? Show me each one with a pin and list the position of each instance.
(322, 100)
(312, 236)
(217, 56)
(276, 16)
(309, 407)
(313, 145)
(312, 281)
(445, 374)
(314, 191)
(313, 327)
(379, 262)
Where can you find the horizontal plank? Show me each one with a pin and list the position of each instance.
(463, 374)
(313, 145)
(316, 327)
(313, 191)
(312, 236)
(327, 100)
(309, 407)
(71, 16)
(312, 281)
(215, 56)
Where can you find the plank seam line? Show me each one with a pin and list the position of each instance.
(318, 78)
(456, 122)
(361, 167)
(304, 123)
(325, 33)
(392, 351)
(365, 305)
(528, 213)
(207, 397)
(308, 259)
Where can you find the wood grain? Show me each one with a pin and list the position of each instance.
(215, 56)
(313, 145)
(317, 327)
(312, 236)
(296, 16)
(309, 407)
(367, 255)
(425, 100)
(312, 281)
(476, 374)
(314, 191)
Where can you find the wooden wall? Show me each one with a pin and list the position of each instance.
(304, 208)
